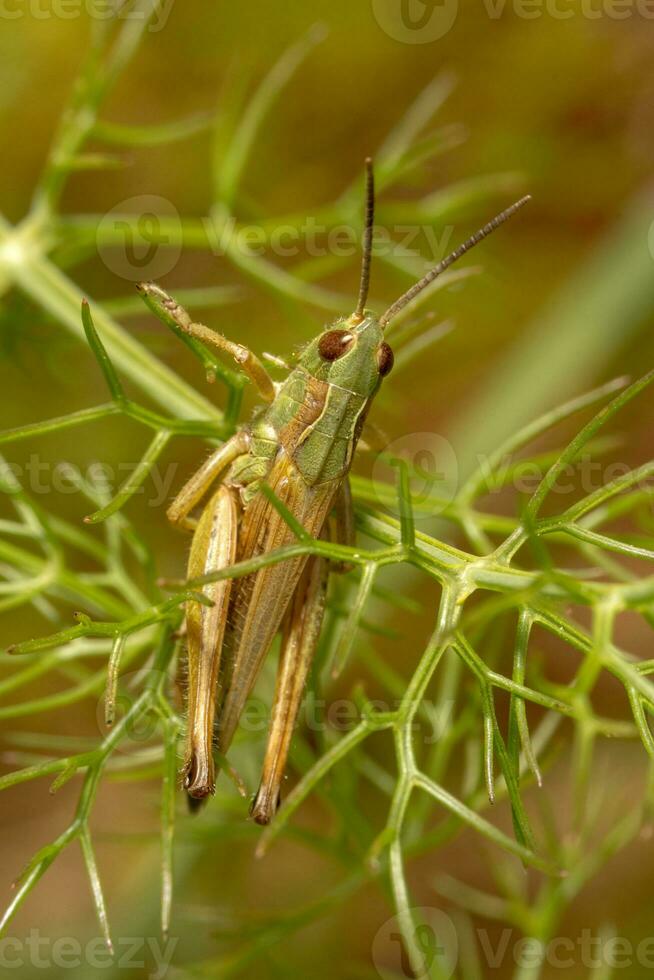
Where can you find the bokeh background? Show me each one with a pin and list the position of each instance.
(559, 106)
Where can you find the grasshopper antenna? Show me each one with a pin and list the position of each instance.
(454, 256)
(367, 240)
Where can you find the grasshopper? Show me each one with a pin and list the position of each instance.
(300, 446)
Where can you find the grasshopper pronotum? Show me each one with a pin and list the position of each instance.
(301, 446)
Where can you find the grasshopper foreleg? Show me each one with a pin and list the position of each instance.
(212, 469)
(163, 305)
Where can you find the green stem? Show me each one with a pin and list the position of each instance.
(24, 264)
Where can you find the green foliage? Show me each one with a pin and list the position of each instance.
(499, 589)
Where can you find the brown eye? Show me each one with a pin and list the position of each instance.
(333, 344)
(385, 359)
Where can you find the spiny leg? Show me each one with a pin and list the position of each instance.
(213, 548)
(194, 489)
(164, 305)
(299, 641)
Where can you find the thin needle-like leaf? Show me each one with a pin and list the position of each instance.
(242, 141)
(482, 826)
(134, 481)
(160, 134)
(518, 726)
(96, 886)
(113, 670)
(353, 621)
(168, 795)
(407, 523)
(577, 444)
(475, 483)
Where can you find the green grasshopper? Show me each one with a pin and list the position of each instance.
(299, 447)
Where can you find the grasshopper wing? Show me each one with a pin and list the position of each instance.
(260, 600)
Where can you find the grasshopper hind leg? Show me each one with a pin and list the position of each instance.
(299, 642)
(213, 548)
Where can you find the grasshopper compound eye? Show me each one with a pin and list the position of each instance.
(385, 359)
(334, 344)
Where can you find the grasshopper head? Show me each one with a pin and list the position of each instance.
(351, 354)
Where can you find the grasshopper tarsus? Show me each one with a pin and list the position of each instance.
(199, 781)
(264, 806)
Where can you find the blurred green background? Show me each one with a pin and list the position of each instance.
(564, 107)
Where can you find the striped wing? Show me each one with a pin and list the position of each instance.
(260, 600)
